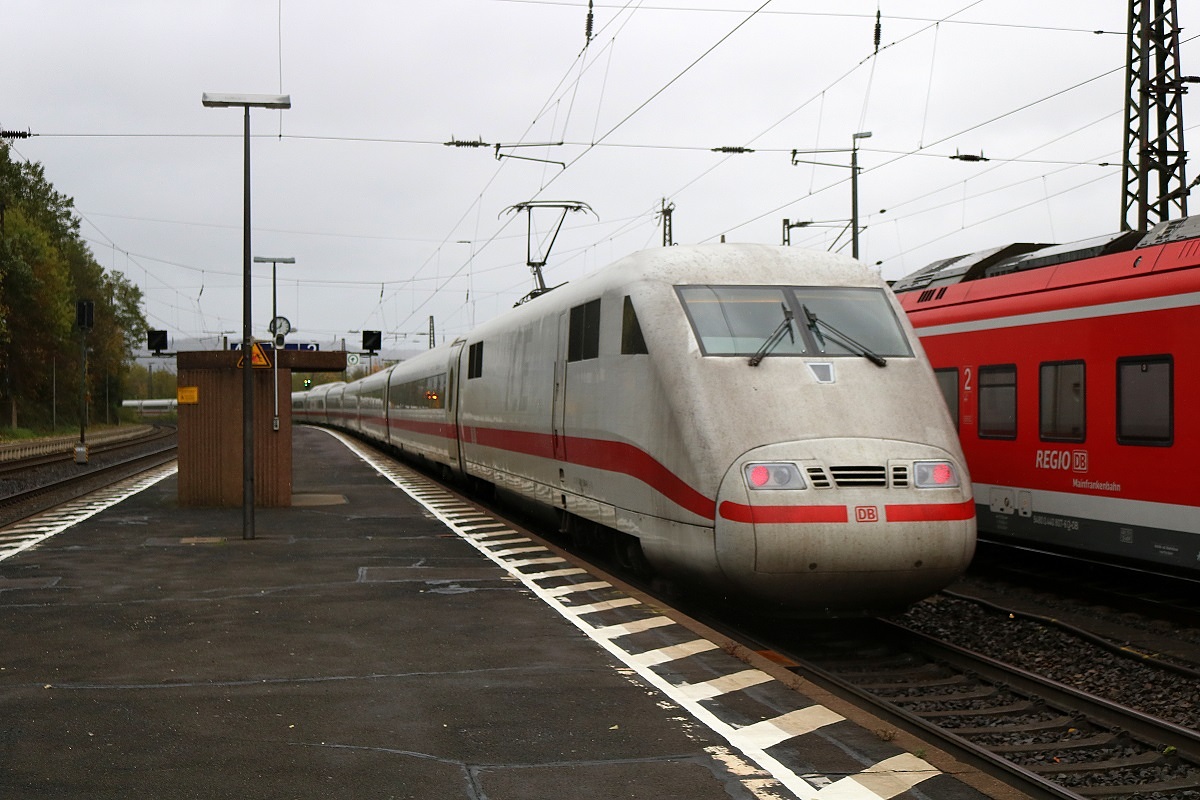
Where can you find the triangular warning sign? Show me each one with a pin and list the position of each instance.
(258, 358)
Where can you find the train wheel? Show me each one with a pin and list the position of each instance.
(628, 552)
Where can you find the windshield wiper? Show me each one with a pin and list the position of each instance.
(775, 338)
(857, 348)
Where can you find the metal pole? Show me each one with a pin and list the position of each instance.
(247, 353)
(275, 362)
(854, 199)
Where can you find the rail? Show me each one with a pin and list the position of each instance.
(1045, 738)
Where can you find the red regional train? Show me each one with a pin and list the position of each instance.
(1068, 371)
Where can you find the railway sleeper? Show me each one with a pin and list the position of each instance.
(1065, 721)
(1021, 707)
(1095, 740)
(885, 662)
(918, 672)
(915, 681)
(1162, 788)
(981, 693)
(1146, 759)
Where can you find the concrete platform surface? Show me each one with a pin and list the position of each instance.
(379, 639)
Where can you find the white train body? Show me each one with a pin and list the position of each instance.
(816, 483)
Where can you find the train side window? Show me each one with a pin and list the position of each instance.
(1145, 400)
(632, 341)
(583, 341)
(998, 402)
(1062, 410)
(947, 379)
(475, 361)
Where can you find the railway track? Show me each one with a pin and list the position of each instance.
(1046, 738)
(1172, 596)
(36, 483)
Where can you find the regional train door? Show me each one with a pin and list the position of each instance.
(559, 405)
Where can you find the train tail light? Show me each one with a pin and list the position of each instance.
(935, 475)
(773, 476)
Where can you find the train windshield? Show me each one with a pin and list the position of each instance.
(829, 321)
(736, 320)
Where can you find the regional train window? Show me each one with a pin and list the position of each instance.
(736, 320)
(583, 341)
(947, 379)
(475, 360)
(1061, 404)
(998, 402)
(632, 341)
(1145, 400)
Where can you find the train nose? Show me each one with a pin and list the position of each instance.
(808, 523)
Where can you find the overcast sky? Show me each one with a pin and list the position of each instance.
(390, 226)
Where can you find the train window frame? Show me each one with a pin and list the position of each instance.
(633, 343)
(475, 360)
(720, 326)
(989, 424)
(583, 337)
(1052, 430)
(949, 391)
(421, 393)
(1167, 421)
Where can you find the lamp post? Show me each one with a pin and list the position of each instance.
(246, 102)
(279, 328)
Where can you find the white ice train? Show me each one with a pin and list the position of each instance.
(756, 420)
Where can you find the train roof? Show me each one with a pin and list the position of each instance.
(724, 263)
(1023, 256)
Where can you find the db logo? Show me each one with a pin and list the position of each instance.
(866, 514)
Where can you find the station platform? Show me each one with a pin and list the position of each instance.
(383, 638)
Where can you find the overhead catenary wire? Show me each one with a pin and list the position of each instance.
(609, 142)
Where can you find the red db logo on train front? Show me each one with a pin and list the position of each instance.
(866, 514)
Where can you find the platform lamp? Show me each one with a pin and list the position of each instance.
(246, 102)
(279, 327)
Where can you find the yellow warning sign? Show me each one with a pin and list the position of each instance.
(258, 358)
(187, 395)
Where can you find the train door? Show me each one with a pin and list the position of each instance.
(452, 404)
(559, 405)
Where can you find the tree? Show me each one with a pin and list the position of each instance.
(45, 268)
